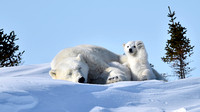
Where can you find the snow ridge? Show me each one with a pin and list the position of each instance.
(31, 89)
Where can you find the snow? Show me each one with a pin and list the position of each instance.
(31, 89)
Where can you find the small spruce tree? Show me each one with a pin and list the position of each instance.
(8, 50)
(178, 48)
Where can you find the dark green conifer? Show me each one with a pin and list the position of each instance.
(178, 48)
(8, 50)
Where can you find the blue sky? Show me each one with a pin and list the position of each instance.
(44, 27)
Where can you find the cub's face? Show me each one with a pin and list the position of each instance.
(132, 47)
(72, 69)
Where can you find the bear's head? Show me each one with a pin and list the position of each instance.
(72, 69)
(132, 47)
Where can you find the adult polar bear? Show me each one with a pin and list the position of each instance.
(88, 63)
(137, 61)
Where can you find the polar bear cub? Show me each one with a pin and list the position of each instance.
(137, 60)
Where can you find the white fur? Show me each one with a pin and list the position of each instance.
(137, 60)
(85, 61)
(116, 72)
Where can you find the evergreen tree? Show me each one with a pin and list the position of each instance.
(178, 48)
(8, 49)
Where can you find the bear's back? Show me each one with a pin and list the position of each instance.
(99, 52)
(87, 51)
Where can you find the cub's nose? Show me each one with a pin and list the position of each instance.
(130, 50)
(81, 80)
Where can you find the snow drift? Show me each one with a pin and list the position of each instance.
(31, 89)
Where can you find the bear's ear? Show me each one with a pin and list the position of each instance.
(52, 73)
(124, 45)
(79, 57)
(139, 44)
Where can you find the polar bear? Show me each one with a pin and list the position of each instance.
(83, 63)
(137, 60)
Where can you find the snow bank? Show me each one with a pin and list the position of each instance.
(31, 89)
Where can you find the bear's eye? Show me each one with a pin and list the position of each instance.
(70, 73)
(134, 47)
(127, 46)
(79, 68)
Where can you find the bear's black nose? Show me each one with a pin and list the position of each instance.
(81, 80)
(130, 50)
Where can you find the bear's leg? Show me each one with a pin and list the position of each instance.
(147, 75)
(113, 79)
(116, 75)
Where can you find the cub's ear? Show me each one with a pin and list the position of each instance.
(139, 44)
(52, 73)
(79, 57)
(124, 45)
